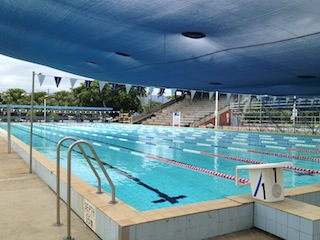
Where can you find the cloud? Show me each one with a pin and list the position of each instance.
(16, 73)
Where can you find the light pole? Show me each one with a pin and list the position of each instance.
(45, 109)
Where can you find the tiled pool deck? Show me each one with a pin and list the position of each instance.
(289, 219)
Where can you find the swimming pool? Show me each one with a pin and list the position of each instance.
(158, 167)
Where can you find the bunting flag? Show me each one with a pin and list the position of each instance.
(210, 95)
(162, 90)
(88, 83)
(57, 80)
(193, 92)
(251, 98)
(139, 89)
(183, 93)
(151, 90)
(274, 99)
(114, 86)
(73, 82)
(173, 91)
(201, 95)
(101, 85)
(228, 97)
(41, 78)
(258, 97)
(128, 87)
(235, 97)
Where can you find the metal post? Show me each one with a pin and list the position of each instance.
(45, 110)
(31, 122)
(9, 127)
(216, 111)
(69, 195)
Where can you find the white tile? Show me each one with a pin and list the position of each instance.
(180, 223)
(224, 228)
(213, 230)
(142, 231)
(271, 227)
(246, 223)
(304, 236)
(260, 222)
(316, 227)
(246, 210)
(306, 198)
(223, 215)
(260, 210)
(313, 198)
(271, 214)
(293, 222)
(233, 213)
(306, 226)
(213, 217)
(178, 235)
(282, 231)
(282, 217)
(293, 234)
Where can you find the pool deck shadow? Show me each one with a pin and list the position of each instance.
(28, 207)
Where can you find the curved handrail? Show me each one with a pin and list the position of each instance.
(78, 143)
(58, 223)
(113, 201)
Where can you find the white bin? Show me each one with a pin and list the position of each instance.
(266, 180)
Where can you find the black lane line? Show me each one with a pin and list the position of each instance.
(163, 197)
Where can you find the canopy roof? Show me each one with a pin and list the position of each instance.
(241, 46)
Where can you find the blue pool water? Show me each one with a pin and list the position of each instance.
(157, 167)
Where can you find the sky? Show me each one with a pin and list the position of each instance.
(15, 73)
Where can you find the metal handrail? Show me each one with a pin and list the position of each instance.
(78, 143)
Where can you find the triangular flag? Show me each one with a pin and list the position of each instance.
(114, 86)
(151, 90)
(210, 95)
(258, 97)
(162, 90)
(193, 92)
(228, 97)
(57, 80)
(41, 78)
(128, 87)
(173, 91)
(139, 89)
(101, 85)
(73, 82)
(235, 97)
(201, 95)
(88, 83)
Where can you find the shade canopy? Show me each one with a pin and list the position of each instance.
(243, 46)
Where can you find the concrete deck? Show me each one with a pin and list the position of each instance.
(28, 207)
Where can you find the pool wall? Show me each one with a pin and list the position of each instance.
(193, 221)
(122, 222)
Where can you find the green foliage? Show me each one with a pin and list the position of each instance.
(80, 96)
(15, 96)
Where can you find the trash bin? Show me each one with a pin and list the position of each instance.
(266, 180)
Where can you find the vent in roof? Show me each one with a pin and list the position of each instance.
(194, 35)
(122, 54)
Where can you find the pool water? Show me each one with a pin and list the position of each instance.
(158, 167)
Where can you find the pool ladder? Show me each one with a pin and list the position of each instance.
(78, 143)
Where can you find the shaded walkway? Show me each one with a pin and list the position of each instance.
(28, 205)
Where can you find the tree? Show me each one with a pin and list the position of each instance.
(15, 96)
(116, 98)
(61, 98)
